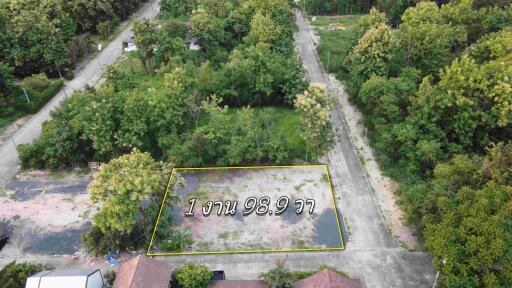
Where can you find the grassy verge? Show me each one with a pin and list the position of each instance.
(335, 41)
(22, 107)
(345, 20)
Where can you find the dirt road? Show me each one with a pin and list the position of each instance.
(89, 75)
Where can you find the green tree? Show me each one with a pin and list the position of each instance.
(210, 31)
(371, 55)
(315, 107)
(146, 38)
(6, 78)
(193, 276)
(263, 29)
(88, 13)
(175, 8)
(470, 238)
(428, 39)
(371, 20)
(104, 29)
(121, 186)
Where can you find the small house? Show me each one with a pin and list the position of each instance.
(65, 278)
(193, 43)
(129, 44)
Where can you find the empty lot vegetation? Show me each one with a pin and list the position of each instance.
(436, 96)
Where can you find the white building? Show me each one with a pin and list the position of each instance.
(129, 44)
(66, 279)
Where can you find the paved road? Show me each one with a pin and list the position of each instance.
(89, 75)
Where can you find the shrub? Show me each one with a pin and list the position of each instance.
(115, 22)
(14, 275)
(98, 243)
(6, 77)
(103, 29)
(110, 277)
(278, 277)
(37, 81)
(193, 276)
(68, 74)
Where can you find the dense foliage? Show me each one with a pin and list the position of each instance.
(436, 97)
(182, 116)
(193, 275)
(39, 36)
(122, 186)
(278, 277)
(14, 275)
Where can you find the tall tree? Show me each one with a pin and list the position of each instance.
(121, 185)
(146, 38)
(315, 107)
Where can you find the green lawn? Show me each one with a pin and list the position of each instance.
(335, 44)
(346, 20)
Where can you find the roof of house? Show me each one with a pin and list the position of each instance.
(237, 284)
(143, 272)
(328, 279)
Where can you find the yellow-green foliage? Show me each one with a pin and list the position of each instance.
(120, 186)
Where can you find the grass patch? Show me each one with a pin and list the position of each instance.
(199, 195)
(346, 20)
(335, 44)
(325, 178)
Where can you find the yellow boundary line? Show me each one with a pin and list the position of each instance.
(248, 251)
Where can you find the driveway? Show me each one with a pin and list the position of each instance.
(89, 75)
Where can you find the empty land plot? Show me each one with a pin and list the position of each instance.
(316, 227)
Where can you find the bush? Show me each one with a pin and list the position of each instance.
(6, 78)
(37, 81)
(278, 277)
(115, 22)
(98, 243)
(110, 277)
(193, 276)
(68, 74)
(59, 145)
(103, 29)
(14, 275)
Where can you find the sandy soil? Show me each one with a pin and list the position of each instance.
(255, 232)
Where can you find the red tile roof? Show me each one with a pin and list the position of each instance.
(328, 279)
(143, 272)
(237, 284)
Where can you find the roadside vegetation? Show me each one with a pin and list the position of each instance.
(436, 98)
(46, 39)
(231, 101)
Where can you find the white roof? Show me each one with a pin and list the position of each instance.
(66, 279)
